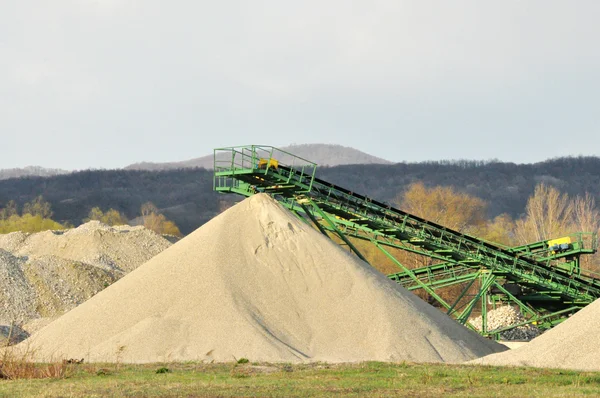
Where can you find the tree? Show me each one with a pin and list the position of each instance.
(170, 228)
(111, 217)
(35, 218)
(148, 209)
(153, 220)
(28, 223)
(95, 214)
(586, 216)
(548, 214)
(500, 230)
(9, 210)
(114, 217)
(444, 206)
(38, 207)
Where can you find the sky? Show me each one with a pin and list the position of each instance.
(106, 83)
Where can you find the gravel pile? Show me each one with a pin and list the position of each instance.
(122, 248)
(48, 273)
(570, 345)
(60, 284)
(504, 316)
(258, 283)
(17, 299)
(12, 241)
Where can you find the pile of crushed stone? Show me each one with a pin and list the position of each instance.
(504, 316)
(48, 273)
(119, 248)
(17, 299)
(570, 345)
(258, 283)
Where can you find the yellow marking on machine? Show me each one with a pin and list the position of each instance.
(566, 239)
(268, 163)
(560, 244)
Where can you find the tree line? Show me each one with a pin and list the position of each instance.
(186, 196)
(36, 216)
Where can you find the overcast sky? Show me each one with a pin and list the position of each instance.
(106, 83)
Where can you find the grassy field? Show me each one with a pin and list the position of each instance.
(365, 380)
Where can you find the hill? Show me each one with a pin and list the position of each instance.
(186, 195)
(30, 171)
(322, 154)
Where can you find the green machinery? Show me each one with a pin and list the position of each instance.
(544, 279)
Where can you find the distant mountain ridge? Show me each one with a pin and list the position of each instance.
(186, 196)
(321, 154)
(30, 171)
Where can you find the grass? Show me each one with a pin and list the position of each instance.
(16, 366)
(252, 379)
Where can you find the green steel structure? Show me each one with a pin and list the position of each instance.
(544, 279)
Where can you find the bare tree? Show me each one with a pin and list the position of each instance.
(586, 216)
(38, 207)
(445, 206)
(10, 210)
(548, 214)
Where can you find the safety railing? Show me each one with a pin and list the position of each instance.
(260, 159)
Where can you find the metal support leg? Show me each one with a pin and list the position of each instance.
(487, 281)
(337, 231)
(453, 309)
(314, 220)
(413, 276)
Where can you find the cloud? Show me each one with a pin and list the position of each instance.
(131, 70)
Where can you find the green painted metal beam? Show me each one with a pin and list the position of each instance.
(431, 292)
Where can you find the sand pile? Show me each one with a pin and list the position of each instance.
(256, 282)
(570, 345)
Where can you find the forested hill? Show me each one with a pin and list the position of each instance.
(186, 195)
(505, 186)
(30, 171)
(324, 154)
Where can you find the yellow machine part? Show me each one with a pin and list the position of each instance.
(566, 239)
(557, 242)
(264, 163)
